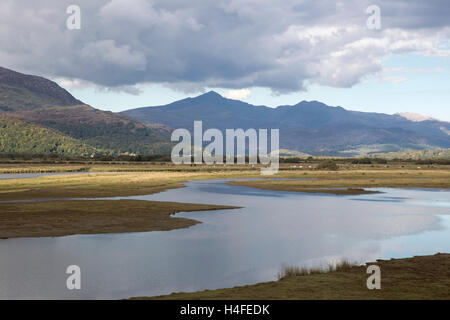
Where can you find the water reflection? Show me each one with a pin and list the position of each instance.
(230, 247)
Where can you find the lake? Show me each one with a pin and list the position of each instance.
(230, 247)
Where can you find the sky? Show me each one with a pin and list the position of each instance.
(134, 53)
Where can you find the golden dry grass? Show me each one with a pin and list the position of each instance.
(110, 184)
(96, 184)
(353, 181)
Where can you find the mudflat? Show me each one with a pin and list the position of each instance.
(62, 218)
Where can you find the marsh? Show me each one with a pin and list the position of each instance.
(230, 247)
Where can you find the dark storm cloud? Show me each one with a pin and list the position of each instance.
(229, 43)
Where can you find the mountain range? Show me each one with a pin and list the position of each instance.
(38, 116)
(310, 126)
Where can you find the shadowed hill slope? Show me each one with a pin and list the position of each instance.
(26, 92)
(43, 102)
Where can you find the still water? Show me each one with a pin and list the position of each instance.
(230, 247)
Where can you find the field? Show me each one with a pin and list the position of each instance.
(109, 180)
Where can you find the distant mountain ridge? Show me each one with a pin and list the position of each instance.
(311, 127)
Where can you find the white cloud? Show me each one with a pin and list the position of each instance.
(239, 94)
(229, 43)
(72, 83)
(79, 84)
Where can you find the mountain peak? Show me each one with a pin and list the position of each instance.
(210, 95)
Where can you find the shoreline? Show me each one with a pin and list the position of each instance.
(63, 192)
(74, 217)
(108, 184)
(418, 277)
(59, 217)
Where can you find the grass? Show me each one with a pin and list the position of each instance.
(294, 271)
(354, 181)
(156, 178)
(43, 169)
(62, 218)
(30, 166)
(424, 277)
(99, 184)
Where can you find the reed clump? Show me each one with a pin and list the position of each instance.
(287, 271)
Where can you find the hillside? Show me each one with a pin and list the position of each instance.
(26, 92)
(100, 129)
(21, 137)
(43, 102)
(309, 126)
(443, 154)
